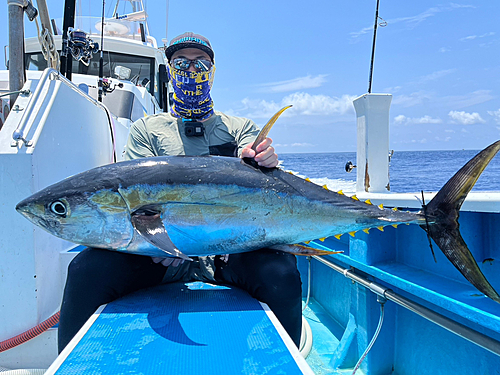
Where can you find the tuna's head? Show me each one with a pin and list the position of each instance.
(82, 211)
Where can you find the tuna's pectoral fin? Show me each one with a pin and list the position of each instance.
(303, 250)
(151, 228)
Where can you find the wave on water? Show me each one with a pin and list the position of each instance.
(346, 186)
(409, 171)
(333, 184)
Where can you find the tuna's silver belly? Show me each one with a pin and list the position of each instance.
(211, 229)
(204, 241)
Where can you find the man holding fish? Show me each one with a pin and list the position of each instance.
(192, 127)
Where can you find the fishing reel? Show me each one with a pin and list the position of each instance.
(81, 46)
(349, 166)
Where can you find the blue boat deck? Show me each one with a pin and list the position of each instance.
(182, 329)
(231, 332)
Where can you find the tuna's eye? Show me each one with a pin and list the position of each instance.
(59, 208)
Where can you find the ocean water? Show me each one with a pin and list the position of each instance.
(409, 171)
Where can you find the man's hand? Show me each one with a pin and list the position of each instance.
(169, 261)
(265, 156)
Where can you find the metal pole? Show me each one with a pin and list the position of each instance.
(16, 49)
(373, 50)
(68, 22)
(465, 332)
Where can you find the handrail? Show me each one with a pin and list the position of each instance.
(51, 73)
(18, 134)
(465, 332)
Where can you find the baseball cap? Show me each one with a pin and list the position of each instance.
(189, 40)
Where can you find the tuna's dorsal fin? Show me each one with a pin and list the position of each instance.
(151, 228)
(302, 250)
(265, 130)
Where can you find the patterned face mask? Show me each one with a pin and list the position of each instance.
(191, 99)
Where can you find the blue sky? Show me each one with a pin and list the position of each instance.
(439, 60)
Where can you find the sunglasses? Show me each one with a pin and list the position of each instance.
(201, 65)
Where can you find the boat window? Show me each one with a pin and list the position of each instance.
(141, 67)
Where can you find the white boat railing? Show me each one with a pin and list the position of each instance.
(459, 329)
(40, 92)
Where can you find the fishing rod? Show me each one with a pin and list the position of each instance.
(101, 58)
(383, 24)
(68, 23)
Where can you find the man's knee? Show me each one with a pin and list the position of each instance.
(98, 267)
(88, 263)
(280, 278)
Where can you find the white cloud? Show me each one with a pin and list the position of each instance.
(451, 101)
(415, 98)
(357, 34)
(303, 104)
(454, 6)
(465, 118)
(427, 120)
(470, 37)
(473, 98)
(435, 75)
(422, 141)
(403, 120)
(307, 104)
(295, 84)
(302, 145)
(413, 21)
(496, 115)
(400, 119)
(392, 90)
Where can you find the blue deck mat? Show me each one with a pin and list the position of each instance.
(182, 329)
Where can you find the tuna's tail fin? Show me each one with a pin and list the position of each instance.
(444, 211)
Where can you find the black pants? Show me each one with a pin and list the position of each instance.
(96, 277)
